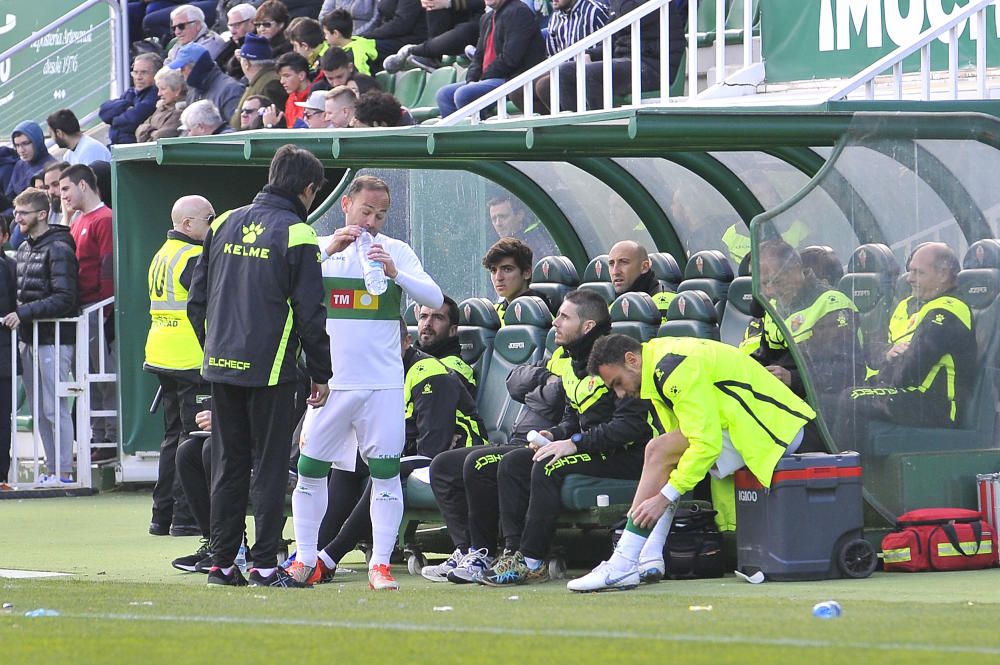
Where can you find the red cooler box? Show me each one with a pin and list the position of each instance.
(808, 524)
(988, 486)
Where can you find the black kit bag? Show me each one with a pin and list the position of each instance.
(694, 546)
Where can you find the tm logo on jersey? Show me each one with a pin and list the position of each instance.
(352, 299)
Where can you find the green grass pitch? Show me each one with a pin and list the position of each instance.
(125, 604)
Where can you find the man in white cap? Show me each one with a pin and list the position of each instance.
(314, 110)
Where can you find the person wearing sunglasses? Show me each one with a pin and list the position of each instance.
(252, 111)
(173, 353)
(239, 20)
(257, 64)
(270, 23)
(187, 25)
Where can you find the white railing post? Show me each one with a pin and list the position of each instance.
(692, 53)
(635, 62)
(720, 40)
(12, 473)
(747, 32)
(665, 52)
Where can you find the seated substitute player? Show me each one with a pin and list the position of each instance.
(631, 271)
(366, 392)
(440, 415)
(509, 261)
(600, 434)
(437, 334)
(721, 411)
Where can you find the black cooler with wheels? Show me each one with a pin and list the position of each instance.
(808, 524)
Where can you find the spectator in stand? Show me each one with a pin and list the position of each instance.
(102, 171)
(621, 60)
(257, 63)
(206, 81)
(314, 110)
(400, 22)
(293, 72)
(188, 23)
(361, 84)
(339, 106)
(151, 18)
(166, 119)
(338, 30)
(362, 12)
(33, 156)
(80, 148)
(306, 38)
(378, 109)
(203, 119)
(509, 44)
(50, 184)
(337, 69)
(47, 288)
(451, 26)
(240, 23)
(93, 235)
(252, 111)
(270, 23)
(8, 304)
(306, 8)
(125, 114)
(571, 21)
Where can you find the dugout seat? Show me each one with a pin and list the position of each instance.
(709, 271)
(521, 340)
(740, 311)
(597, 278)
(410, 318)
(635, 315)
(478, 323)
(666, 269)
(554, 277)
(691, 314)
(870, 282)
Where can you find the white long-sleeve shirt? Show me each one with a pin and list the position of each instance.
(364, 329)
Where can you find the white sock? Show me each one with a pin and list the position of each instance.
(386, 514)
(308, 507)
(653, 549)
(626, 555)
(533, 564)
(325, 558)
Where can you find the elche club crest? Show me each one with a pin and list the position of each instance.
(980, 254)
(545, 269)
(625, 307)
(863, 259)
(699, 264)
(599, 267)
(468, 312)
(797, 322)
(517, 311)
(681, 304)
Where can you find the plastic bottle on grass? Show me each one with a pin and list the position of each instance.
(241, 557)
(375, 280)
(827, 610)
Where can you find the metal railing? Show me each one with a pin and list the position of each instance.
(117, 24)
(953, 28)
(71, 379)
(604, 37)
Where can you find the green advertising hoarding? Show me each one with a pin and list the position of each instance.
(70, 67)
(838, 38)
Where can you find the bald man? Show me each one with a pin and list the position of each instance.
(174, 354)
(928, 364)
(631, 271)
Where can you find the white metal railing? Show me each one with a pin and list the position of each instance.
(604, 37)
(118, 22)
(953, 28)
(74, 382)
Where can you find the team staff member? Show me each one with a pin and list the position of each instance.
(631, 271)
(365, 411)
(720, 410)
(509, 262)
(437, 331)
(929, 363)
(174, 355)
(255, 300)
(599, 435)
(440, 415)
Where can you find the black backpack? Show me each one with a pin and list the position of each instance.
(694, 546)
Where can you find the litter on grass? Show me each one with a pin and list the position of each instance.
(41, 612)
(513, 598)
(148, 603)
(443, 608)
(756, 578)
(700, 608)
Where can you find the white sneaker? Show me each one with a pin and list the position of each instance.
(397, 61)
(605, 578)
(471, 567)
(651, 571)
(439, 573)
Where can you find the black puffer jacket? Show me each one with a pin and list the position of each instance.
(47, 284)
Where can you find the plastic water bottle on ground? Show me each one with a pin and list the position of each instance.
(374, 273)
(241, 557)
(827, 610)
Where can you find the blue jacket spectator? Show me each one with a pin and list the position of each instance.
(33, 157)
(206, 81)
(125, 114)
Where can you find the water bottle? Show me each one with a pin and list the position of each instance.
(241, 557)
(537, 439)
(827, 610)
(375, 280)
